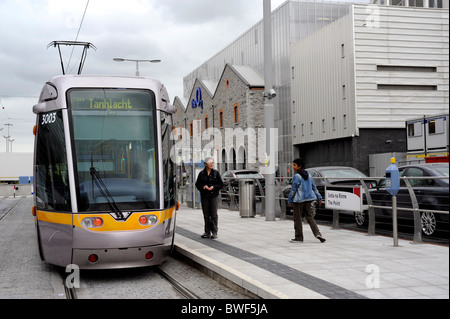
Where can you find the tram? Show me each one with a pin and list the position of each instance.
(104, 184)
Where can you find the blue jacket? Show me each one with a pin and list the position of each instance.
(303, 189)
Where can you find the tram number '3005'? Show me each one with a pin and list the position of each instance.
(48, 118)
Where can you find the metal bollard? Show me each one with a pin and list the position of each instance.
(394, 220)
(335, 219)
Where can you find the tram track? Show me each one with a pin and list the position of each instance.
(10, 209)
(174, 279)
(71, 293)
(176, 284)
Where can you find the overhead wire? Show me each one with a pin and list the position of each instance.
(78, 33)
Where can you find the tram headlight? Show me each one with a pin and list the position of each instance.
(146, 220)
(92, 222)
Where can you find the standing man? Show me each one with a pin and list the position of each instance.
(209, 184)
(303, 193)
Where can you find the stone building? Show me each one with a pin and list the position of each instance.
(223, 121)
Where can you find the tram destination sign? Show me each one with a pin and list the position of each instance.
(110, 100)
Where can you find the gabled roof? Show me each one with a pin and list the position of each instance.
(248, 75)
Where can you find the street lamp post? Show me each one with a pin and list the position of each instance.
(11, 141)
(269, 94)
(137, 62)
(7, 137)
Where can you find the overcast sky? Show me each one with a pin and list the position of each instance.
(182, 33)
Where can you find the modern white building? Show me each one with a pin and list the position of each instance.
(356, 81)
(347, 76)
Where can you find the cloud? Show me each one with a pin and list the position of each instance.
(182, 33)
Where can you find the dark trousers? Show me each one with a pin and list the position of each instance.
(304, 210)
(209, 207)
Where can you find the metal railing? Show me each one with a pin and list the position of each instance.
(231, 197)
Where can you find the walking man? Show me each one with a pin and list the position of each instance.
(209, 184)
(303, 193)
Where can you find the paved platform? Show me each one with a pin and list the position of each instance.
(256, 254)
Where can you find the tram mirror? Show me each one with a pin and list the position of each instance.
(48, 93)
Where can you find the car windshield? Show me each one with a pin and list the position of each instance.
(342, 173)
(248, 175)
(442, 171)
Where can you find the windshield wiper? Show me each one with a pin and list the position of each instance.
(103, 189)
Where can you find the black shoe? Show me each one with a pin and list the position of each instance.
(319, 237)
(206, 235)
(293, 240)
(213, 236)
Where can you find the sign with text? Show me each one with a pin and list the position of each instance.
(344, 200)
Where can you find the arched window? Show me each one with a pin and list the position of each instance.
(221, 118)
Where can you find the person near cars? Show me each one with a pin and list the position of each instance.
(301, 196)
(209, 184)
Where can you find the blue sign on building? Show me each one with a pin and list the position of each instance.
(198, 99)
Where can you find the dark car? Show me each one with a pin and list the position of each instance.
(231, 180)
(332, 175)
(432, 194)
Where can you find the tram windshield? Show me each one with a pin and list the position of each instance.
(114, 141)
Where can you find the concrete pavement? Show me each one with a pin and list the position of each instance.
(256, 254)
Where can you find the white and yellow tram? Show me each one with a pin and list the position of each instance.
(104, 184)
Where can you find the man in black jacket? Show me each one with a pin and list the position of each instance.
(209, 184)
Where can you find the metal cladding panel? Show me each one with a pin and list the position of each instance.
(323, 84)
(401, 60)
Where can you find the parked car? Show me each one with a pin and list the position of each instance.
(231, 180)
(332, 175)
(431, 194)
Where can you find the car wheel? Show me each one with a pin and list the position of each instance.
(428, 221)
(361, 219)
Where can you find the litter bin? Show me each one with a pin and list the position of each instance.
(247, 204)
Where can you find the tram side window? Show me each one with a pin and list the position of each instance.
(52, 182)
(168, 165)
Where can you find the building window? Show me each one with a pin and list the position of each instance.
(344, 92)
(342, 51)
(345, 121)
(180, 133)
(221, 118)
(323, 125)
(415, 129)
(236, 113)
(206, 122)
(191, 129)
(227, 83)
(436, 126)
